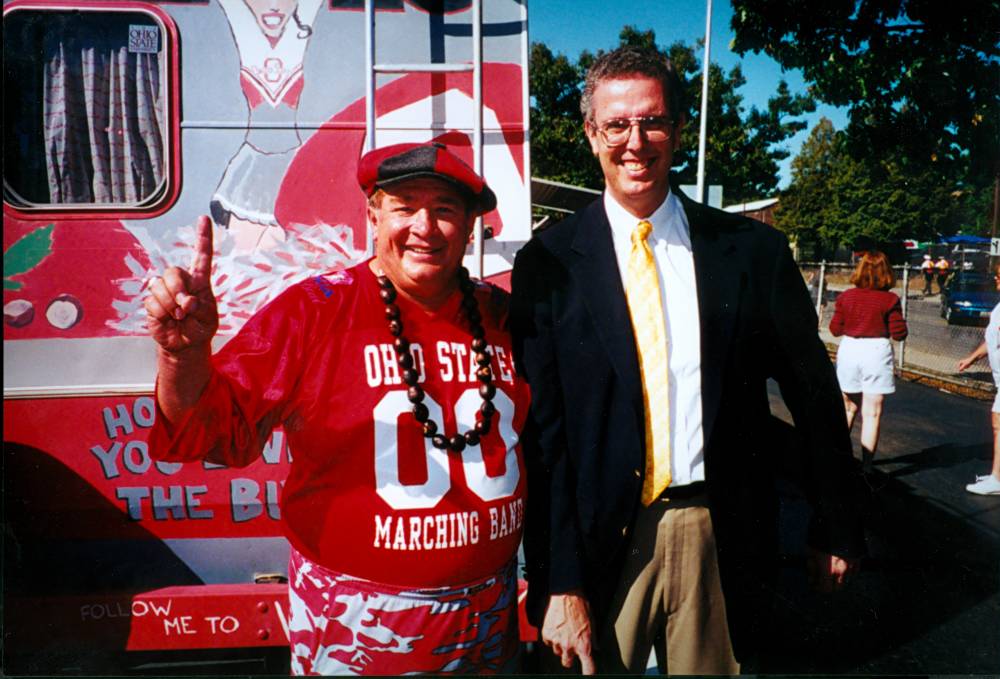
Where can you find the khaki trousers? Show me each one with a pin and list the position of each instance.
(669, 597)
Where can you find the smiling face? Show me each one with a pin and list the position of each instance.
(421, 227)
(272, 15)
(635, 173)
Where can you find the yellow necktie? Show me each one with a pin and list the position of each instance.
(643, 296)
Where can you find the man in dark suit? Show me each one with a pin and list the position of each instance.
(647, 326)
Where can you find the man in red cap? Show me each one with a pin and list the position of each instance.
(394, 384)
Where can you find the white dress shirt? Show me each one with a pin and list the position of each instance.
(670, 241)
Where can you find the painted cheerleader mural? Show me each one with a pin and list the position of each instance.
(271, 37)
(260, 249)
(281, 189)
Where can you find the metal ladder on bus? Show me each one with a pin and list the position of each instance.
(373, 70)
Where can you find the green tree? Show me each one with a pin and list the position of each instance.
(921, 78)
(743, 148)
(834, 198)
(753, 138)
(806, 206)
(559, 148)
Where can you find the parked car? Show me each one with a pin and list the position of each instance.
(969, 296)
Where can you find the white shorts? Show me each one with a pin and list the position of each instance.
(865, 365)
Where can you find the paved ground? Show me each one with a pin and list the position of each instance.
(928, 598)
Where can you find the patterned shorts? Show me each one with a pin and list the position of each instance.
(340, 624)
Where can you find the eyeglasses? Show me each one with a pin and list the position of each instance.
(616, 131)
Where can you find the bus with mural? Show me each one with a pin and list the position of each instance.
(124, 121)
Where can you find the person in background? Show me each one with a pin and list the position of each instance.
(990, 347)
(927, 267)
(395, 388)
(867, 316)
(943, 268)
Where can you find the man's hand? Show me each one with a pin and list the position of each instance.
(566, 630)
(827, 572)
(183, 316)
(182, 311)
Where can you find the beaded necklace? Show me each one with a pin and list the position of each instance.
(415, 394)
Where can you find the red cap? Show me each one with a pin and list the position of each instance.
(390, 164)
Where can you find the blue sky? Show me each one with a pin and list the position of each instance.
(570, 26)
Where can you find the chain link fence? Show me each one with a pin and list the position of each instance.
(934, 345)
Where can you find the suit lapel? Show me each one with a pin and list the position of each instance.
(721, 282)
(595, 269)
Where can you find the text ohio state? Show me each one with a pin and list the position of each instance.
(456, 363)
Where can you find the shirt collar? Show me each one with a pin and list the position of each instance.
(665, 219)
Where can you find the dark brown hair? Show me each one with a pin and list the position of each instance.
(629, 62)
(874, 272)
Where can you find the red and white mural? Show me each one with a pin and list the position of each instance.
(286, 205)
(271, 36)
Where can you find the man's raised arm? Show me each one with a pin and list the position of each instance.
(183, 316)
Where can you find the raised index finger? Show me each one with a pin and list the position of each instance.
(201, 264)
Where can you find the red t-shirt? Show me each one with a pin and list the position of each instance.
(861, 312)
(366, 493)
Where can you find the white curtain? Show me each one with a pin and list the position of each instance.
(104, 120)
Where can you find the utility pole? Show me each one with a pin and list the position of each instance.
(700, 188)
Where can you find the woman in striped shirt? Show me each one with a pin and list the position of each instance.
(868, 316)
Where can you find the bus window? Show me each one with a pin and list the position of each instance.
(86, 109)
